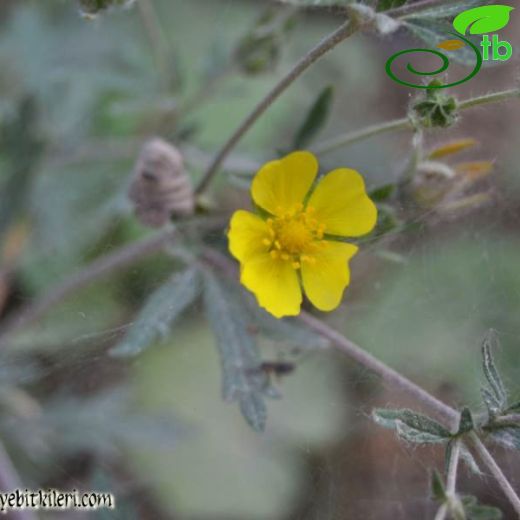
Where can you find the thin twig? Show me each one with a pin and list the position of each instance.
(415, 8)
(97, 269)
(328, 43)
(358, 135)
(9, 481)
(501, 479)
(494, 97)
(349, 138)
(387, 374)
(154, 32)
(451, 482)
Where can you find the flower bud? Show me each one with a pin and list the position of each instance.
(90, 8)
(436, 110)
(161, 187)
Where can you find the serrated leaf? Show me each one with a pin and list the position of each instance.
(433, 32)
(162, 308)
(437, 487)
(509, 437)
(466, 422)
(415, 436)
(475, 511)
(482, 20)
(484, 513)
(446, 11)
(412, 426)
(493, 406)
(240, 359)
(497, 395)
(315, 119)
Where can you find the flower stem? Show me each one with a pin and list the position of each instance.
(451, 481)
(154, 32)
(405, 123)
(387, 374)
(501, 479)
(97, 269)
(328, 43)
(494, 97)
(359, 135)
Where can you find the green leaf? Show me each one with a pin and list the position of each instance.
(437, 487)
(433, 32)
(482, 20)
(466, 422)
(509, 437)
(315, 119)
(240, 358)
(22, 146)
(475, 511)
(384, 5)
(514, 407)
(412, 426)
(162, 308)
(495, 398)
(382, 193)
(446, 11)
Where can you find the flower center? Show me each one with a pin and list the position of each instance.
(293, 235)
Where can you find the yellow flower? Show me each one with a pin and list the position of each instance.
(294, 244)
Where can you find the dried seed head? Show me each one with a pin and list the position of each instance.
(161, 187)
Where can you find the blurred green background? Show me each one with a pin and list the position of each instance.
(78, 98)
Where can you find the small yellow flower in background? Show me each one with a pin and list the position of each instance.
(294, 244)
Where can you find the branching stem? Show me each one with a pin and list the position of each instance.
(501, 479)
(406, 123)
(328, 43)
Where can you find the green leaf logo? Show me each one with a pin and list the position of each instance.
(482, 20)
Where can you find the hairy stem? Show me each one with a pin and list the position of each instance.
(360, 135)
(328, 43)
(387, 374)
(494, 97)
(501, 479)
(406, 123)
(97, 269)
(154, 32)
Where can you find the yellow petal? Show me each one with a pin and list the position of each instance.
(274, 283)
(281, 185)
(341, 203)
(325, 279)
(452, 147)
(246, 235)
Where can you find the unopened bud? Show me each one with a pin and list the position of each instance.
(161, 187)
(90, 8)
